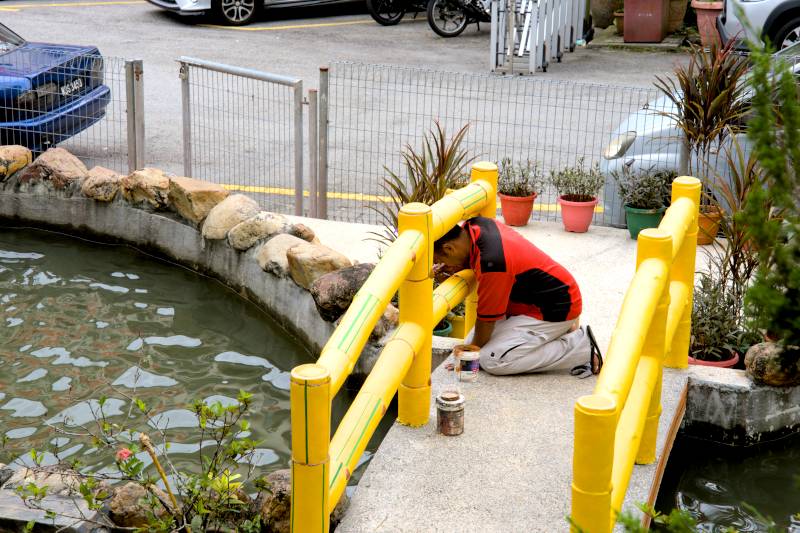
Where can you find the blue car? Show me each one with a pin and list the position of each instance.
(48, 92)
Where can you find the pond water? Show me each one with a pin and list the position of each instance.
(81, 322)
(720, 486)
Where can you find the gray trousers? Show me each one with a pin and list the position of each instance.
(522, 344)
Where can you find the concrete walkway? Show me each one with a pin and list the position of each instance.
(511, 469)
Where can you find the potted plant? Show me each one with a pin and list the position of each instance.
(643, 194)
(577, 189)
(443, 329)
(677, 12)
(619, 21)
(714, 325)
(517, 187)
(707, 13)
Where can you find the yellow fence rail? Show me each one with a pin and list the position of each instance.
(321, 466)
(617, 425)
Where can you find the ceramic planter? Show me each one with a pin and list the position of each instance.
(708, 222)
(647, 21)
(444, 330)
(639, 219)
(677, 12)
(516, 209)
(707, 13)
(726, 363)
(603, 11)
(577, 216)
(619, 22)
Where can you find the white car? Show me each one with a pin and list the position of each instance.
(233, 12)
(779, 20)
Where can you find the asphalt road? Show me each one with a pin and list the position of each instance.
(295, 42)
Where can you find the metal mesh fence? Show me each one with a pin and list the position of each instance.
(376, 110)
(77, 101)
(243, 129)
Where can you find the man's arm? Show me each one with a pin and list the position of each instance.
(483, 332)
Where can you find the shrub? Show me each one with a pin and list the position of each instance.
(519, 179)
(578, 184)
(644, 189)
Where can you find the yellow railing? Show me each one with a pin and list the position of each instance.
(322, 466)
(617, 425)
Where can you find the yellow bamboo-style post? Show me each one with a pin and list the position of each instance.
(487, 171)
(654, 244)
(592, 460)
(311, 432)
(416, 306)
(683, 271)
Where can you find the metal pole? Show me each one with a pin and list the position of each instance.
(186, 107)
(298, 149)
(493, 63)
(322, 169)
(138, 91)
(130, 114)
(313, 156)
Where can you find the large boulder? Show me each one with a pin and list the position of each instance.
(194, 199)
(128, 506)
(275, 504)
(12, 159)
(765, 364)
(271, 255)
(60, 480)
(334, 291)
(149, 186)
(308, 261)
(56, 166)
(101, 184)
(225, 215)
(386, 323)
(260, 226)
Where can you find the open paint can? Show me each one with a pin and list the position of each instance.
(450, 413)
(467, 362)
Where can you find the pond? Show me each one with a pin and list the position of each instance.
(724, 487)
(86, 323)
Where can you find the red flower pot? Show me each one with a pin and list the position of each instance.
(516, 209)
(577, 216)
(727, 363)
(707, 13)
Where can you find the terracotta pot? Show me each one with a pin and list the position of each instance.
(677, 12)
(603, 12)
(516, 209)
(619, 22)
(577, 216)
(727, 363)
(708, 223)
(707, 13)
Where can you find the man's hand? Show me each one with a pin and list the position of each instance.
(483, 332)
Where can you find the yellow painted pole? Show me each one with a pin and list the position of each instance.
(684, 188)
(654, 244)
(592, 459)
(452, 292)
(311, 429)
(470, 311)
(416, 307)
(487, 172)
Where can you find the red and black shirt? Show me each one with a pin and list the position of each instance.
(517, 278)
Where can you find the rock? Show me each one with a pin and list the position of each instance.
(307, 262)
(148, 186)
(57, 166)
(764, 366)
(128, 505)
(334, 291)
(260, 226)
(226, 214)
(101, 184)
(12, 159)
(60, 480)
(301, 231)
(5, 474)
(271, 255)
(194, 199)
(275, 505)
(386, 323)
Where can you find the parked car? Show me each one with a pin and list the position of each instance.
(233, 12)
(48, 92)
(779, 20)
(648, 140)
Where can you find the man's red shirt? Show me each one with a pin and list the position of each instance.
(517, 278)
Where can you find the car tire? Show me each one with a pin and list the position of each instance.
(438, 25)
(237, 12)
(788, 35)
(386, 12)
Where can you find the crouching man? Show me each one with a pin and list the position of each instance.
(528, 304)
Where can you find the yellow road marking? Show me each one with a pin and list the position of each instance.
(282, 191)
(290, 27)
(17, 7)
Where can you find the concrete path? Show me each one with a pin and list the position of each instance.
(511, 469)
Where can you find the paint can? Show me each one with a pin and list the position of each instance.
(450, 413)
(467, 362)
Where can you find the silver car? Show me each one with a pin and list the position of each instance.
(648, 140)
(233, 12)
(779, 20)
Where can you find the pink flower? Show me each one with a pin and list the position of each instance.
(124, 454)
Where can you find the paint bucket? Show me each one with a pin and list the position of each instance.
(450, 413)
(467, 362)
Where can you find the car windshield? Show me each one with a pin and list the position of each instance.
(9, 40)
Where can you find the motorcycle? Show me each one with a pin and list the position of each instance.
(449, 18)
(390, 12)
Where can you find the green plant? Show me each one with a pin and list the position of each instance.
(521, 179)
(576, 183)
(441, 164)
(644, 189)
(715, 329)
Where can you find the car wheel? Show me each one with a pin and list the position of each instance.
(386, 12)
(238, 12)
(446, 18)
(788, 35)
